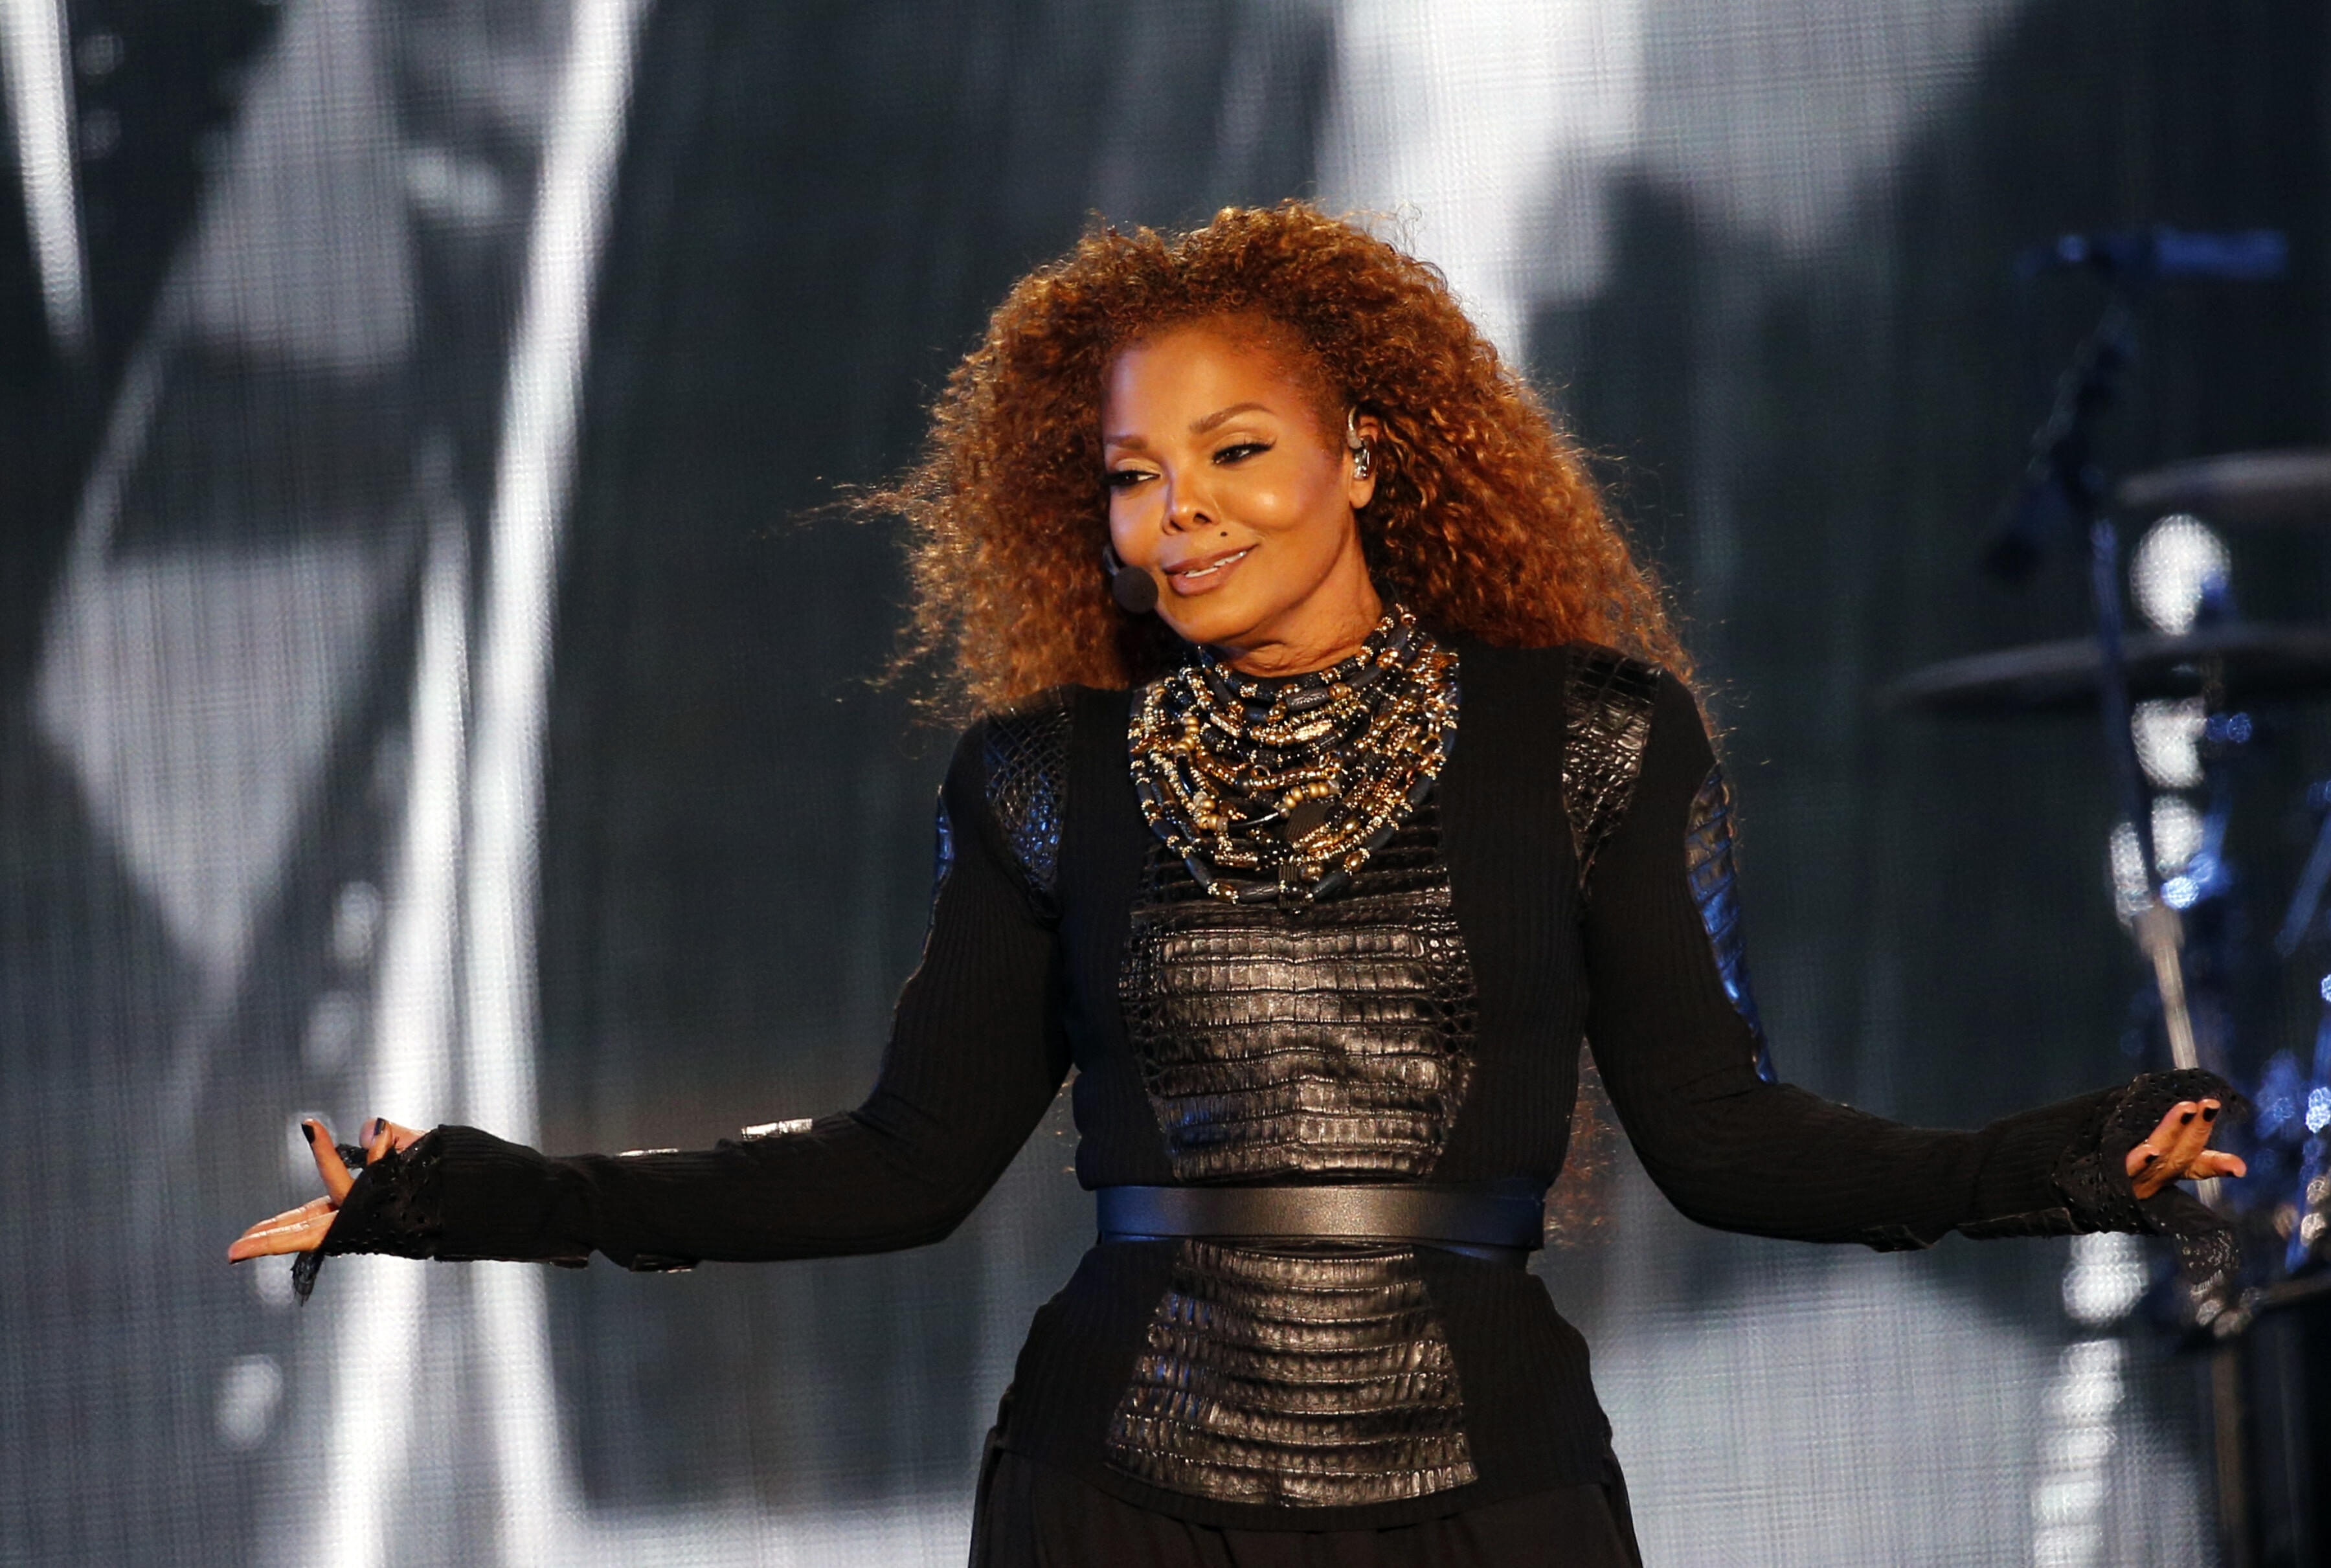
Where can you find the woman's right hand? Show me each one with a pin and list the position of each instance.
(2180, 1148)
(302, 1229)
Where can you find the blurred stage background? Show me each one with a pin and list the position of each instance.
(425, 689)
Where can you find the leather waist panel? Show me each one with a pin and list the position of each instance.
(1293, 1379)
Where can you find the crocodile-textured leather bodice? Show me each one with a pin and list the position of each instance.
(1288, 1044)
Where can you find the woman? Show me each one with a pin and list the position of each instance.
(1315, 833)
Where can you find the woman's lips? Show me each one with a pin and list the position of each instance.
(1206, 573)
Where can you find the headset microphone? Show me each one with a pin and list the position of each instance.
(1135, 590)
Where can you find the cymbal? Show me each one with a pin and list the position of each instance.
(2241, 487)
(2251, 661)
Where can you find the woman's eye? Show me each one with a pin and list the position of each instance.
(1241, 452)
(1126, 478)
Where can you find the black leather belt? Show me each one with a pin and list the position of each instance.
(1496, 1227)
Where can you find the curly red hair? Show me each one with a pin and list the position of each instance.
(1485, 520)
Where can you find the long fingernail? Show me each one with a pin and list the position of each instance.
(2208, 1113)
(2186, 1117)
(309, 1131)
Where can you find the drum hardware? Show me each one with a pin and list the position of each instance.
(2243, 661)
(2307, 899)
(2298, 1107)
(2242, 488)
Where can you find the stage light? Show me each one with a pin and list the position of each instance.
(40, 104)
(2173, 570)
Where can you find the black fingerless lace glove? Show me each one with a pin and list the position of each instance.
(2091, 1177)
(394, 1209)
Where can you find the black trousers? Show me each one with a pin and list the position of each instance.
(1030, 1515)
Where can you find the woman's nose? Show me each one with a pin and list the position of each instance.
(1185, 508)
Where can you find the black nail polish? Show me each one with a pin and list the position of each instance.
(308, 1131)
(2186, 1117)
(304, 1269)
(2208, 1113)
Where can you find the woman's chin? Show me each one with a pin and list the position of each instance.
(1214, 620)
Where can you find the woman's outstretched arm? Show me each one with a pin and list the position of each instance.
(975, 1056)
(1682, 1058)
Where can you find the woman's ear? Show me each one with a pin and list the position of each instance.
(1363, 441)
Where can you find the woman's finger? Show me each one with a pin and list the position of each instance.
(2162, 1141)
(399, 1138)
(2218, 1163)
(300, 1231)
(312, 1206)
(328, 1163)
(2194, 1126)
(2152, 1164)
(2152, 1174)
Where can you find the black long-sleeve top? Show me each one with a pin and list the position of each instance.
(1020, 980)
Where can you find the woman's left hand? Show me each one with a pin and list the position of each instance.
(2179, 1148)
(303, 1229)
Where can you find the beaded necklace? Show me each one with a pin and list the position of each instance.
(1279, 790)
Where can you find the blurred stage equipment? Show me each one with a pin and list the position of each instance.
(2238, 663)
(2126, 256)
(2172, 702)
(2243, 488)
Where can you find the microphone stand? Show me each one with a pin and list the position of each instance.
(2062, 477)
(2063, 484)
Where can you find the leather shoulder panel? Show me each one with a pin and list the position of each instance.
(1715, 889)
(1024, 756)
(1607, 723)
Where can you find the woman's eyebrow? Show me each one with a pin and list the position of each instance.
(1200, 426)
(1197, 426)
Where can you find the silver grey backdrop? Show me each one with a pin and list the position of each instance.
(427, 686)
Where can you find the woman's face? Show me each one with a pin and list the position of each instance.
(1225, 488)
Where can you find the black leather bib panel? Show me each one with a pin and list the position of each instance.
(1277, 1043)
(1294, 1378)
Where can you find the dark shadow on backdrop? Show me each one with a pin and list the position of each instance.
(819, 206)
